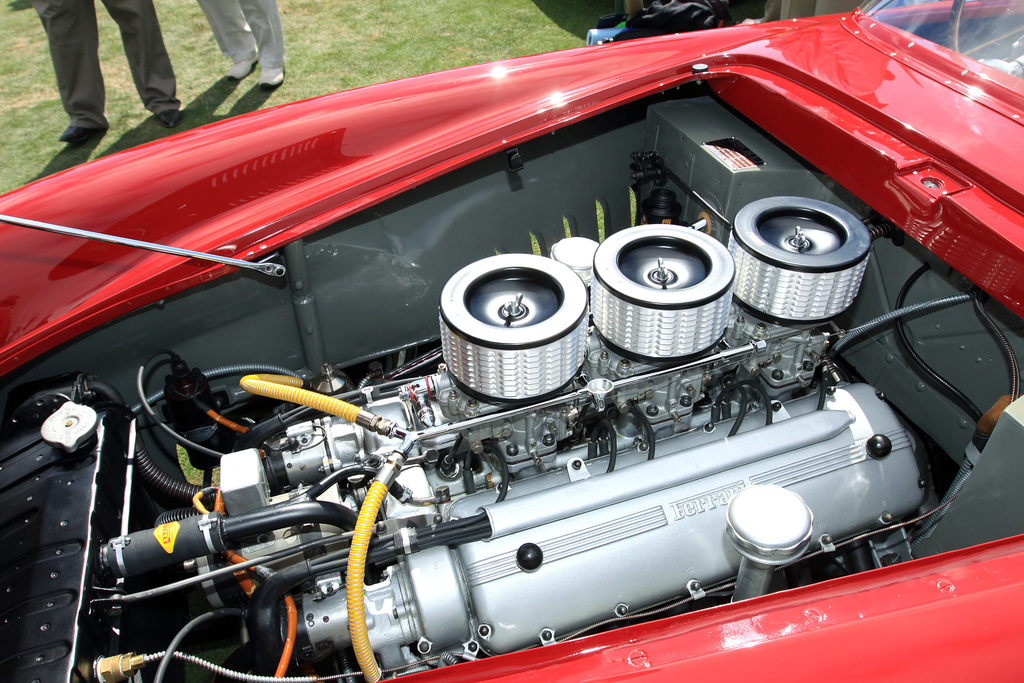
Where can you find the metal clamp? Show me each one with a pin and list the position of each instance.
(118, 545)
(206, 527)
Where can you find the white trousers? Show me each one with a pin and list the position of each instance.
(245, 28)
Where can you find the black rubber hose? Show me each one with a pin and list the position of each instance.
(154, 477)
(645, 425)
(823, 386)
(467, 465)
(285, 515)
(721, 406)
(603, 429)
(493, 449)
(756, 386)
(901, 336)
(259, 433)
(107, 391)
(263, 615)
(858, 557)
(333, 478)
(456, 532)
(742, 411)
(1011, 358)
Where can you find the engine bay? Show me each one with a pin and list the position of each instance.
(458, 441)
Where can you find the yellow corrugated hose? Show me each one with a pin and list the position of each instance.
(354, 581)
(285, 388)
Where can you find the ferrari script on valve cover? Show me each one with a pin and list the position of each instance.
(654, 359)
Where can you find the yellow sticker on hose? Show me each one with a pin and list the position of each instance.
(166, 534)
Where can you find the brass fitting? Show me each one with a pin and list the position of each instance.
(118, 667)
(375, 423)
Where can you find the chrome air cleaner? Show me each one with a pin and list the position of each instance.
(514, 326)
(661, 292)
(798, 259)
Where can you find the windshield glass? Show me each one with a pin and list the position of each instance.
(990, 31)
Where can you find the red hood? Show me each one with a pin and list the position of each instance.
(246, 186)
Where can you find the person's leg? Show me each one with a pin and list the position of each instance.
(74, 48)
(265, 22)
(230, 30)
(147, 57)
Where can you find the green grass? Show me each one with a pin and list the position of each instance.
(331, 45)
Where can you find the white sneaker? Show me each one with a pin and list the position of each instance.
(241, 69)
(271, 78)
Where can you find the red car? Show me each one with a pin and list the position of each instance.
(689, 355)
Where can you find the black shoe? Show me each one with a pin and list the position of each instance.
(76, 134)
(169, 118)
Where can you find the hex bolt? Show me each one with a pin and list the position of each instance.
(511, 450)
(808, 366)
(548, 439)
(777, 374)
(483, 630)
(685, 401)
(577, 464)
(885, 518)
(651, 410)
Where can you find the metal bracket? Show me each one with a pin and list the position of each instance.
(265, 267)
(577, 470)
(470, 650)
(328, 585)
(695, 589)
(827, 546)
(515, 160)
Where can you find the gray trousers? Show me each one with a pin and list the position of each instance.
(74, 47)
(239, 26)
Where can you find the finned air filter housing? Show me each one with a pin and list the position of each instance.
(661, 292)
(514, 326)
(798, 260)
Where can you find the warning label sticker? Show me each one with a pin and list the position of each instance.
(731, 158)
(166, 535)
(733, 153)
